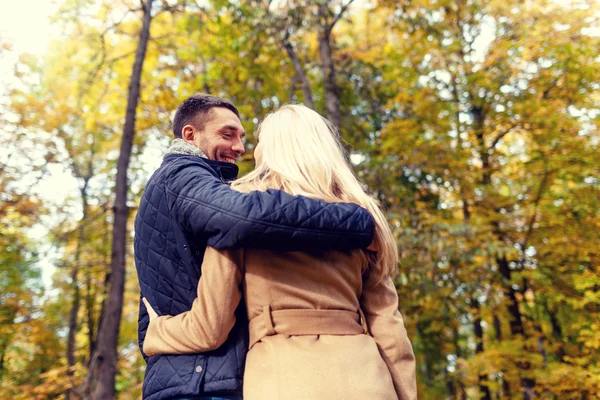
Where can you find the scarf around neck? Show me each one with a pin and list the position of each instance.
(228, 172)
(180, 146)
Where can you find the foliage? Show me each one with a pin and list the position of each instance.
(475, 123)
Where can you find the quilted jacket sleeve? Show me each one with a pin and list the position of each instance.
(206, 326)
(379, 302)
(207, 207)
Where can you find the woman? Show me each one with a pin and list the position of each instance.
(308, 312)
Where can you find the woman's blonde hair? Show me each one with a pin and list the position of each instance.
(302, 155)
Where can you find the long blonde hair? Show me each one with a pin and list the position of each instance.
(302, 155)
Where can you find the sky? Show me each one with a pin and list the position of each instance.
(26, 23)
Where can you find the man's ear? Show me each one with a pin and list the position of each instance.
(188, 133)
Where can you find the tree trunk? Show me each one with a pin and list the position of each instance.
(497, 327)
(74, 309)
(498, 330)
(89, 302)
(71, 339)
(104, 364)
(105, 287)
(292, 89)
(332, 92)
(461, 385)
(300, 75)
(516, 325)
(450, 388)
(478, 330)
(478, 124)
(205, 76)
(2, 354)
(541, 339)
(557, 334)
(516, 322)
(106, 283)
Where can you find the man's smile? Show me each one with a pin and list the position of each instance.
(228, 159)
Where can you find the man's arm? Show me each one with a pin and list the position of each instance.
(205, 206)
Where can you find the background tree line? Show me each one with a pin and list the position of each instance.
(475, 124)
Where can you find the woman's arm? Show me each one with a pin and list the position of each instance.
(206, 326)
(379, 302)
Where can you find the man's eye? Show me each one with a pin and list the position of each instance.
(227, 135)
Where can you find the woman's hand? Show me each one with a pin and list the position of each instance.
(151, 313)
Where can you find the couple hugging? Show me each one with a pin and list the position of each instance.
(263, 285)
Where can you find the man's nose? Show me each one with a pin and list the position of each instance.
(238, 146)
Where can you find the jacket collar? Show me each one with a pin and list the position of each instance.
(180, 146)
(227, 171)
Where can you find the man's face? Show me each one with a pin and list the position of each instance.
(222, 137)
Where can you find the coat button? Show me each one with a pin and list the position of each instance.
(198, 369)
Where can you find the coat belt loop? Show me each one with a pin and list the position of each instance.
(363, 320)
(268, 319)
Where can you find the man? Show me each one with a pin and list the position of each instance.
(186, 206)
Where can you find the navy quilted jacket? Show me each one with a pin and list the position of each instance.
(185, 207)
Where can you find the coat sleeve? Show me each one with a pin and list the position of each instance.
(207, 325)
(142, 324)
(208, 208)
(379, 302)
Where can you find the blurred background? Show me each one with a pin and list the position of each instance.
(475, 123)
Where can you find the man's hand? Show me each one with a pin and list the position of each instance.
(151, 313)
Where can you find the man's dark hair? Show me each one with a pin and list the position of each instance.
(196, 111)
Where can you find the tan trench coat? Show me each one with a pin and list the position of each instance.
(307, 337)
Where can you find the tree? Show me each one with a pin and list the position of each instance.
(485, 122)
(327, 18)
(104, 361)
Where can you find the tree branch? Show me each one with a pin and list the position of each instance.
(500, 136)
(339, 15)
(536, 202)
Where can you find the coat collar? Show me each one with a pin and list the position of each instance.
(180, 146)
